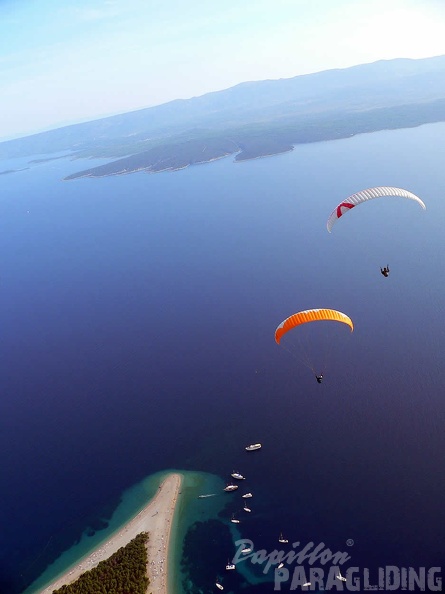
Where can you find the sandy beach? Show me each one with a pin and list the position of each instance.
(156, 519)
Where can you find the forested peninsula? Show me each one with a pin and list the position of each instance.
(250, 120)
(123, 572)
(266, 139)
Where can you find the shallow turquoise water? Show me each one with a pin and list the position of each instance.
(189, 510)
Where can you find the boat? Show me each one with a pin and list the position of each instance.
(234, 520)
(237, 475)
(306, 584)
(218, 585)
(252, 447)
(246, 509)
(280, 565)
(246, 550)
(340, 577)
(230, 565)
(230, 487)
(246, 495)
(282, 539)
(204, 496)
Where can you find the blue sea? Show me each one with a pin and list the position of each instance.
(137, 319)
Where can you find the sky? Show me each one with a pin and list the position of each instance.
(63, 62)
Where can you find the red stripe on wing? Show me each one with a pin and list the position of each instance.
(347, 205)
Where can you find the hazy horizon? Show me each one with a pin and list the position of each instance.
(64, 124)
(62, 65)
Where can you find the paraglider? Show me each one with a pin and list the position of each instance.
(312, 315)
(366, 195)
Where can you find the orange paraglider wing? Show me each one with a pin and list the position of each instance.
(311, 315)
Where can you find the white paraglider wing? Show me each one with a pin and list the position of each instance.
(366, 195)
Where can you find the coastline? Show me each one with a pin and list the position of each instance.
(156, 518)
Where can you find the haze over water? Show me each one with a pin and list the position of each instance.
(138, 314)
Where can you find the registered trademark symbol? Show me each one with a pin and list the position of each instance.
(350, 542)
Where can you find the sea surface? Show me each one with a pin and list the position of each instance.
(137, 319)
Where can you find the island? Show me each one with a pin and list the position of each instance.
(272, 137)
(250, 120)
(156, 519)
(6, 171)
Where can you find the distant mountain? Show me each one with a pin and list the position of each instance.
(253, 119)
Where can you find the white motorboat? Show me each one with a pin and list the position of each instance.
(280, 565)
(246, 550)
(246, 509)
(230, 487)
(218, 585)
(234, 520)
(237, 475)
(282, 539)
(340, 577)
(230, 565)
(252, 447)
(247, 495)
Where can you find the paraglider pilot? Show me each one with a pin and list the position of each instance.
(385, 271)
(319, 378)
